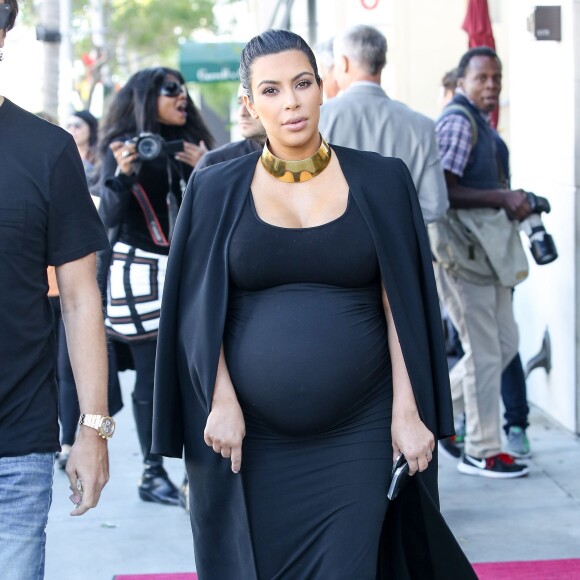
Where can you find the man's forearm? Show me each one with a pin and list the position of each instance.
(88, 353)
(85, 332)
(461, 197)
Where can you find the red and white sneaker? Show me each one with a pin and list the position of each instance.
(500, 466)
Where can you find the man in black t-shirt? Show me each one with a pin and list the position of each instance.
(47, 217)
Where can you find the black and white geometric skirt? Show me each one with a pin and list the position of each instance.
(135, 288)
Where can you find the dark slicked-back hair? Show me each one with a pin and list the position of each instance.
(134, 110)
(477, 51)
(13, 14)
(272, 42)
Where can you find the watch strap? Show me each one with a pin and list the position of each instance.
(93, 421)
(103, 424)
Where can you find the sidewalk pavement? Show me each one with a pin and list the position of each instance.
(122, 535)
(532, 518)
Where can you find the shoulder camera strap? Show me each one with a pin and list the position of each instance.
(151, 219)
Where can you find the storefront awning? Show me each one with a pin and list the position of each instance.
(210, 62)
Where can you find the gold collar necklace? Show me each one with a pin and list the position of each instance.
(296, 171)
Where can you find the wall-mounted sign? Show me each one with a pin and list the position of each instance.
(546, 23)
(210, 62)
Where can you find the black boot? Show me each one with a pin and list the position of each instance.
(155, 485)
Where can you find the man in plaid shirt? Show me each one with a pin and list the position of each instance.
(482, 313)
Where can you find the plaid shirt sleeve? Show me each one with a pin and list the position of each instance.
(454, 140)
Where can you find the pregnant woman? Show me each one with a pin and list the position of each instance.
(300, 351)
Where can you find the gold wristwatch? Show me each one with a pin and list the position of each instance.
(103, 424)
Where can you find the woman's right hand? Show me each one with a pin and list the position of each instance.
(225, 429)
(125, 155)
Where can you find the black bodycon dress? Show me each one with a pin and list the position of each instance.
(307, 350)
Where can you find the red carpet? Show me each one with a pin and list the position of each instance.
(537, 570)
(178, 576)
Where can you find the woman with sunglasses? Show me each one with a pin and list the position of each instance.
(300, 351)
(139, 203)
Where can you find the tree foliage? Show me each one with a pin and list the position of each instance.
(130, 35)
(140, 33)
(151, 29)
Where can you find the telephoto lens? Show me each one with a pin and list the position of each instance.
(542, 246)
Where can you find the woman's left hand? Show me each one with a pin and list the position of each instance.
(191, 153)
(412, 438)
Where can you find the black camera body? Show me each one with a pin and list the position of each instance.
(150, 146)
(542, 246)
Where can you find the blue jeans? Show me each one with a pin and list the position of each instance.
(514, 395)
(25, 496)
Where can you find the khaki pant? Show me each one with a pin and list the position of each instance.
(484, 319)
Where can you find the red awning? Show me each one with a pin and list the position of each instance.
(477, 24)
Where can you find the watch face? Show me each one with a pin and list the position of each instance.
(107, 426)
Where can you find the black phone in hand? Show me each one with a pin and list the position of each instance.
(399, 477)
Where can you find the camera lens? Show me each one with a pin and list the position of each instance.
(543, 249)
(149, 147)
(542, 246)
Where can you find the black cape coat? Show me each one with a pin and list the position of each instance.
(416, 543)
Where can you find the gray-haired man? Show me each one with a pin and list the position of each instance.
(364, 117)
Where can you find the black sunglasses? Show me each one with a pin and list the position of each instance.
(172, 89)
(5, 12)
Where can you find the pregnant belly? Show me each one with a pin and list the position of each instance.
(305, 358)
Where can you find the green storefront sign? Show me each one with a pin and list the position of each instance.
(210, 62)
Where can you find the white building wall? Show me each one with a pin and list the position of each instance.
(544, 112)
(426, 41)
